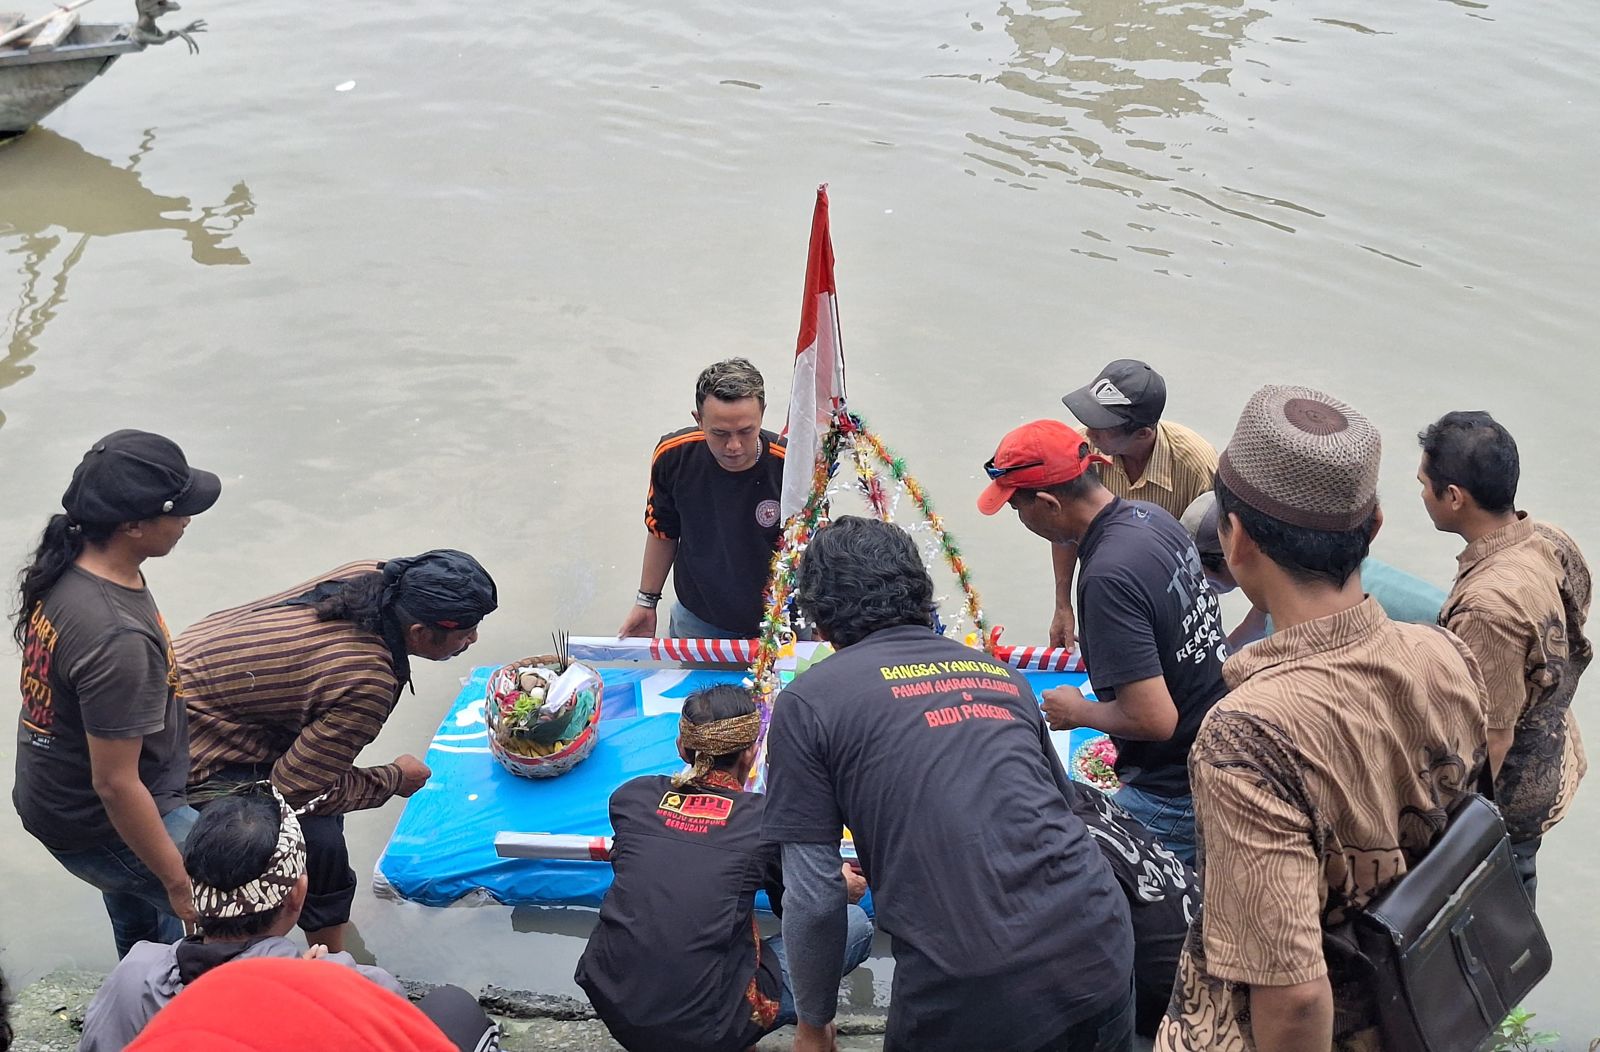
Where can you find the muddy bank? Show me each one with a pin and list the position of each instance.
(48, 1016)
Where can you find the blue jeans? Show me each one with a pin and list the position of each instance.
(685, 624)
(135, 898)
(1169, 818)
(857, 947)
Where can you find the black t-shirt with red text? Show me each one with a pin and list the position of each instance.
(1008, 925)
(672, 965)
(726, 524)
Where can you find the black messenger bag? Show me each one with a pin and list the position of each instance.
(1454, 944)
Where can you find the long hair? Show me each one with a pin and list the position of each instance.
(359, 600)
(61, 543)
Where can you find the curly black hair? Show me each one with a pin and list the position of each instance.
(860, 575)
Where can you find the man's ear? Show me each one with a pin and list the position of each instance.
(1456, 496)
(697, 420)
(1051, 502)
(1377, 523)
(1237, 545)
(1144, 433)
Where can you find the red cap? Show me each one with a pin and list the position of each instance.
(1036, 455)
(267, 1004)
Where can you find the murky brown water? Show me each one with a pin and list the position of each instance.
(361, 307)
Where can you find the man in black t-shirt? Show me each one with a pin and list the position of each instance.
(1010, 933)
(713, 512)
(677, 963)
(1149, 625)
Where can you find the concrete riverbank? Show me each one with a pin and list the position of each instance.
(48, 1017)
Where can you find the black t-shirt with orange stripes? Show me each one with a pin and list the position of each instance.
(726, 524)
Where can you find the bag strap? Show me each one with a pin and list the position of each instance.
(1486, 781)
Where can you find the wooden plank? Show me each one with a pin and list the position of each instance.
(54, 31)
(27, 28)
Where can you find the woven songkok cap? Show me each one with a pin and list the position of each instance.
(1303, 458)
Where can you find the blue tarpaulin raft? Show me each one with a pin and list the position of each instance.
(442, 851)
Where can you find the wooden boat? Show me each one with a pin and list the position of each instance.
(35, 81)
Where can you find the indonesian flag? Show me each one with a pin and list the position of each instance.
(818, 390)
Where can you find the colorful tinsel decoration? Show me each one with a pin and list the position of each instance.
(871, 459)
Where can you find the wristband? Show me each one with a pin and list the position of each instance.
(647, 599)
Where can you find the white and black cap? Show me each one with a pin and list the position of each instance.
(1126, 392)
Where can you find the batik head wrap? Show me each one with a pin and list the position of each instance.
(284, 868)
(707, 741)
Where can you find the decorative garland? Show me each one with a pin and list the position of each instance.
(865, 447)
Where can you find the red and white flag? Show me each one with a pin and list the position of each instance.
(818, 390)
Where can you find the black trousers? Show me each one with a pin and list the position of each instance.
(456, 1012)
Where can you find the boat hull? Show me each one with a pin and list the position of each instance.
(34, 84)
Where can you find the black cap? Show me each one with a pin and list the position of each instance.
(1125, 392)
(132, 475)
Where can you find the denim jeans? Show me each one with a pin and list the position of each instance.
(1169, 818)
(685, 624)
(135, 899)
(857, 947)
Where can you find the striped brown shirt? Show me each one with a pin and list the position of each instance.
(1317, 782)
(271, 685)
(1520, 601)
(1181, 467)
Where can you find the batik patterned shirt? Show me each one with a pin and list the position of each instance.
(1520, 601)
(1318, 781)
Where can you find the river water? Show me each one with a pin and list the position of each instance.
(454, 303)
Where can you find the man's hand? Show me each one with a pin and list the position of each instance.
(855, 885)
(315, 953)
(641, 621)
(809, 1038)
(181, 897)
(414, 774)
(1058, 702)
(1063, 629)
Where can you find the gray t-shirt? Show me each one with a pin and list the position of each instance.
(153, 974)
(96, 659)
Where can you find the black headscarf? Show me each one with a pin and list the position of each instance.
(444, 588)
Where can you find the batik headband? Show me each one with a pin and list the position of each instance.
(707, 741)
(284, 868)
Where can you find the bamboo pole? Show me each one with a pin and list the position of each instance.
(28, 28)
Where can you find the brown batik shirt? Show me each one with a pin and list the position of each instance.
(1318, 781)
(1520, 601)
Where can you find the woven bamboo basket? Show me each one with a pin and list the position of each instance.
(518, 753)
